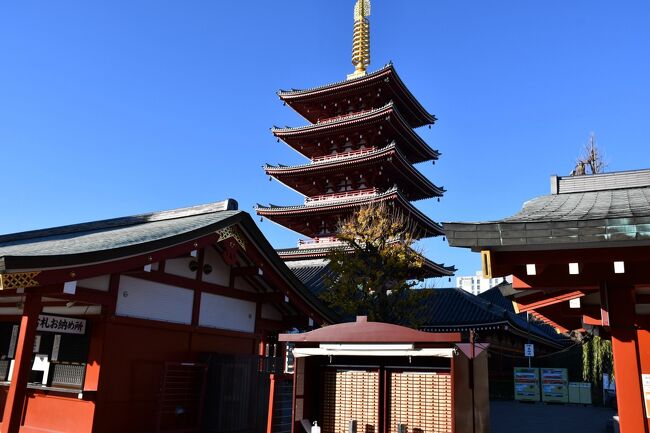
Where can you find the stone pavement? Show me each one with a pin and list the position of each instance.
(515, 417)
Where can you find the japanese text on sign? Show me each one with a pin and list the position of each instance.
(62, 325)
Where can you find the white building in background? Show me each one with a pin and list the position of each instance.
(477, 284)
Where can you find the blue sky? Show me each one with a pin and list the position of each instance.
(120, 107)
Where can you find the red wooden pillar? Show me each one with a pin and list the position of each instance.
(629, 391)
(14, 406)
(269, 419)
(643, 344)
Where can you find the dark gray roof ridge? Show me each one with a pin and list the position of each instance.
(224, 205)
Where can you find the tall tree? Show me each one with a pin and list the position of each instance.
(373, 272)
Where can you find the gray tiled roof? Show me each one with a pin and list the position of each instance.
(446, 310)
(312, 273)
(296, 92)
(412, 176)
(428, 226)
(617, 203)
(385, 77)
(388, 113)
(115, 234)
(495, 296)
(123, 237)
(581, 209)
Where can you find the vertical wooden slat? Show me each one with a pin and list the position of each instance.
(421, 401)
(351, 395)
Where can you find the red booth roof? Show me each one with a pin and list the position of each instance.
(363, 331)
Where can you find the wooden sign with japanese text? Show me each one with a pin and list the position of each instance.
(61, 325)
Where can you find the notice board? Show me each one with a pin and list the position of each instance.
(555, 385)
(526, 384)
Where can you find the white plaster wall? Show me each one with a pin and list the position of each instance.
(97, 283)
(220, 271)
(75, 310)
(242, 284)
(226, 313)
(270, 312)
(155, 301)
(180, 267)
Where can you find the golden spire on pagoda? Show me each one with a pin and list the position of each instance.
(361, 38)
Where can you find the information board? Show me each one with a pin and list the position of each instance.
(555, 385)
(526, 384)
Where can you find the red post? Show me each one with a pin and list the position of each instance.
(269, 420)
(629, 391)
(14, 406)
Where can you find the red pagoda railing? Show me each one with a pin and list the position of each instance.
(343, 116)
(344, 154)
(340, 196)
(323, 242)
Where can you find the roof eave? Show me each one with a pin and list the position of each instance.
(415, 107)
(48, 262)
(516, 235)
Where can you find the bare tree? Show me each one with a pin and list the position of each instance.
(592, 158)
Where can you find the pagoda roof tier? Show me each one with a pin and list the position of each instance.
(380, 126)
(311, 179)
(377, 88)
(305, 219)
(430, 269)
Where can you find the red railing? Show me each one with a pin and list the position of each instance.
(344, 154)
(343, 116)
(313, 241)
(318, 242)
(340, 196)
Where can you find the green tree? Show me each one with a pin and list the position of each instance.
(373, 273)
(596, 359)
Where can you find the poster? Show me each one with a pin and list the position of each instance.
(12, 342)
(55, 347)
(526, 384)
(555, 385)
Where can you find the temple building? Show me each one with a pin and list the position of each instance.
(136, 324)
(361, 148)
(579, 258)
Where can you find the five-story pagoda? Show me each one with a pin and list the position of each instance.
(361, 149)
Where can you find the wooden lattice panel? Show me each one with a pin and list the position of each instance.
(421, 401)
(19, 280)
(351, 395)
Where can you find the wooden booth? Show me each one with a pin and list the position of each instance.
(163, 322)
(370, 377)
